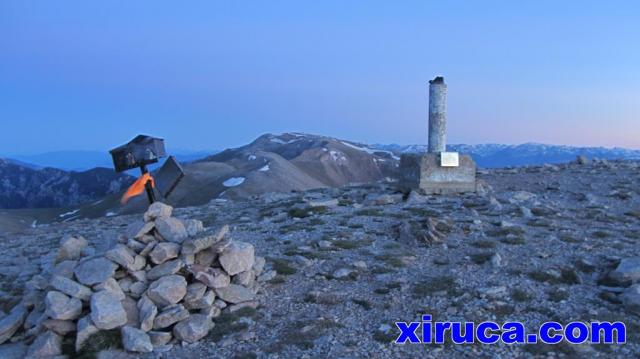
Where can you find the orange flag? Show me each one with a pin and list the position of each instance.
(137, 188)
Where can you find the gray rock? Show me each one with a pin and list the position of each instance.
(107, 311)
(245, 278)
(237, 257)
(205, 258)
(136, 340)
(234, 294)
(137, 289)
(211, 277)
(61, 327)
(112, 286)
(582, 160)
(171, 229)
(267, 276)
(130, 306)
(193, 328)
(150, 246)
(628, 271)
(205, 301)
(342, 273)
(170, 316)
(165, 269)
(121, 255)
(60, 306)
(139, 229)
(157, 210)
(10, 323)
(148, 312)
(70, 287)
(167, 290)
(64, 269)
(71, 248)
(159, 338)
(195, 291)
(194, 246)
(95, 271)
(193, 227)
(211, 311)
(164, 251)
(13, 351)
(47, 344)
(631, 299)
(85, 329)
(258, 265)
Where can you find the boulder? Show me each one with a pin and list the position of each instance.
(16, 350)
(195, 291)
(121, 255)
(193, 328)
(47, 344)
(95, 271)
(71, 248)
(85, 329)
(64, 269)
(157, 210)
(167, 290)
(193, 227)
(628, 271)
(112, 286)
(164, 251)
(70, 287)
(234, 294)
(61, 327)
(139, 229)
(136, 340)
(60, 306)
(171, 229)
(147, 313)
(245, 278)
(130, 306)
(159, 338)
(165, 269)
(10, 323)
(205, 258)
(194, 246)
(237, 257)
(107, 311)
(211, 277)
(170, 316)
(631, 299)
(205, 301)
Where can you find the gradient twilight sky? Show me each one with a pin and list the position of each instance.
(214, 74)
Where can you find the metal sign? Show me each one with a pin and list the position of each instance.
(168, 176)
(449, 159)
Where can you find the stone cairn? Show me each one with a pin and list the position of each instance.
(161, 284)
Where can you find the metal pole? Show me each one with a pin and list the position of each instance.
(150, 195)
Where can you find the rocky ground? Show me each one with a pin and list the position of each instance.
(534, 244)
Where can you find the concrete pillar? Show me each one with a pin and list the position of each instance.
(437, 115)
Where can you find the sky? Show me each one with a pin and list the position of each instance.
(90, 75)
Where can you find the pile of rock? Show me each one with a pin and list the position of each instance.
(163, 283)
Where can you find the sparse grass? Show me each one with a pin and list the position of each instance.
(521, 295)
(391, 259)
(103, 340)
(306, 211)
(557, 295)
(600, 234)
(513, 240)
(384, 338)
(227, 323)
(481, 257)
(344, 202)
(567, 276)
(568, 238)
(282, 266)
(293, 336)
(370, 212)
(316, 222)
(351, 243)
(433, 285)
(422, 212)
(634, 214)
(363, 303)
(483, 243)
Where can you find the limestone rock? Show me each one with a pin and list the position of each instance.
(47, 344)
(171, 229)
(205, 301)
(64, 269)
(234, 294)
(136, 340)
(170, 316)
(60, 306)
(148, 312)
(70, 287)
(130, 306)
(628, 271)
(10, 323)
(61, 327)
(71, 248)
(193, 328)
(107, 311)
(167, 290)
(159, 338)
(165, 269)
(16, 350)
(112, 286)
(121, 255)
(237, 257)
(195, 291)
(85, 329)
(157, 210)
(164, 251)
(194, 246)
(631, 299)
(246, 278)
(138, 229)
(193, 227)
(258, 266)
(95, 271)
(211, 277)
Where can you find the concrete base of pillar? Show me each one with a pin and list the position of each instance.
(423, 173)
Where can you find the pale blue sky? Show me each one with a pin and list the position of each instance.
(214, 74)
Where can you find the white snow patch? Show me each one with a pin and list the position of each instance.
(283, 142)
(337, 156)
(69, 213)
(252, 157)
(233, 181)
(265, 168)
(110, 214)
(324, 149)
(369, 150)
(34, 224)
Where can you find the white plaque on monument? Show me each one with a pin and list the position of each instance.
(449, 159)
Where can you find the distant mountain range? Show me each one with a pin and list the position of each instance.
(272, 163)
(496, 155)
